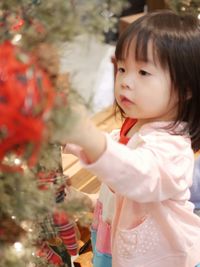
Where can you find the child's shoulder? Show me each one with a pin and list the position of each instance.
(161, 131)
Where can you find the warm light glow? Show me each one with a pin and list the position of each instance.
(198, 16)
(18, 247)
(16, 38)
(17, 161)
(26, 226)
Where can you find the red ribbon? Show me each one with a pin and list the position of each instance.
(26, 96)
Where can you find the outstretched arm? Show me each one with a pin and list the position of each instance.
(89, 140)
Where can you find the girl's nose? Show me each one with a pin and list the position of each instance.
(124, 85)
(127, 82)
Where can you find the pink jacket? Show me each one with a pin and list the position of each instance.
(153, 223)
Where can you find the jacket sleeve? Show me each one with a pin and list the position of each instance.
(159, 169)
(195, 189)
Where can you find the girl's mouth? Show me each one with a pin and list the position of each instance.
(125, 101)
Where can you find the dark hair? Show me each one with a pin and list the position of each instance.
(176, 46)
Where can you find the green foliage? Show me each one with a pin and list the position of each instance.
(21, 202)
(56, 20)
(185, 6)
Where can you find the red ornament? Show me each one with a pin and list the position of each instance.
(26, 97)
(47, 179)
(67, 231)
(17, 26)
(66, 241)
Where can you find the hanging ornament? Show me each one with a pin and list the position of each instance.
(59, 236)
(56, 179)
(18, 25)
(26, 98)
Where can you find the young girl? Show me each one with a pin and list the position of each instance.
(158, 83)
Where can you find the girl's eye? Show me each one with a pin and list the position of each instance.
(121, 70)
(143, 73)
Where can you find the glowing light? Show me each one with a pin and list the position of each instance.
(16, 38)
(198, 16)
(13, 217)
(18, 247)
(17, 161)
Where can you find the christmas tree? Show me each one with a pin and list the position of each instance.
(185, 6)
(34, 116)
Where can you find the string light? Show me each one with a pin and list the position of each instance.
(183, 8)
(16, 38)
(27, 226)
(17, 161)
(18, 247)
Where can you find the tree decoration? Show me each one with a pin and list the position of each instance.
(59, 239)
(56, 20)
(26, 97)
(31, 186)
(34, 117)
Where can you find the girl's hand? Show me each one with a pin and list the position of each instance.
(72, 149)
(89, 140)
(78, 123)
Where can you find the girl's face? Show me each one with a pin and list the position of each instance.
(143, 89)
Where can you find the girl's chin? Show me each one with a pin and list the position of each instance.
(129, 113)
